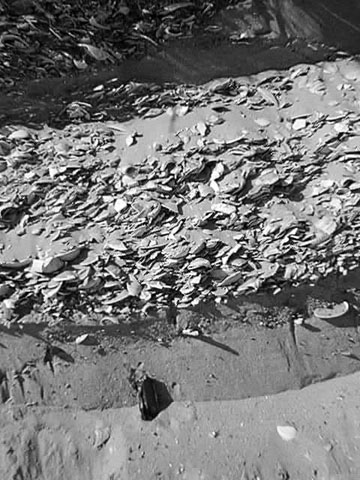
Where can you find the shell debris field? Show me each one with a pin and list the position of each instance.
(204, 210)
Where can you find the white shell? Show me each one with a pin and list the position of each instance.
(286, 432)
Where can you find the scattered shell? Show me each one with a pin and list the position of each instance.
(326, 225)
(262, 122)
(95, 52)
(218, 172)
(342, 127)
(299, 321)
(202, 128)
(335, 311)
(134, 287)
(101, 436)
(120, 205)
(299, 124)
(20, 134)
(81, 339)
(121, 297)
(85, 339)
(130, 140)
(198, 263)
(71, 255)
(190, 333)
(134, 234)
(47, 266)
(65, 277)
(351, 71)
(231, 279)
(223, 208)
(286, 432)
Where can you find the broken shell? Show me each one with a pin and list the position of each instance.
(188, 332)
(51, 265)
(199, 263)
(262, 122)
(335, 311)
(120, 205)
(20, 134)
(86, 339)
(134, 287)
(70, 255)
(81, 339)
(101, 436)
(231, 279)
(223, 208)
(299, 124)
(65, 277)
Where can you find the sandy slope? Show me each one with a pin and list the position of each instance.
(209, 440)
